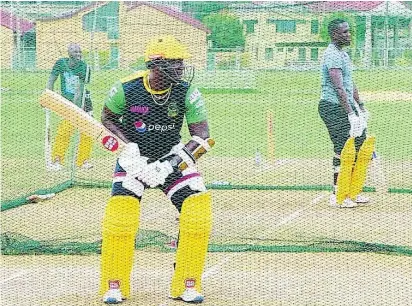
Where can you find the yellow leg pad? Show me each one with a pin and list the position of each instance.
(194, 232)
(120, 224)
(85, 149)
(347, 158)
(362, 162)
(61, 143)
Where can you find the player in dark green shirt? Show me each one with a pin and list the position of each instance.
(73, 73)
(147, 111)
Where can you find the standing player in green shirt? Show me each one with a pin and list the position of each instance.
(343, 114)
(74, 73)
(147, 111)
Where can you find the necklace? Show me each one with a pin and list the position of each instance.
(157, 99)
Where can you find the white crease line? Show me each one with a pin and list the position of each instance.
(15, 275)
(216, 268)
(297, 213)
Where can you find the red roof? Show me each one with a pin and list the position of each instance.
(171, 12)
(15, 23)
(332, 6)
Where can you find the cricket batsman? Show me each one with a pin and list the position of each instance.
(345, 117)
(147, 111)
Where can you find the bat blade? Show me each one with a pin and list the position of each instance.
(81, 120)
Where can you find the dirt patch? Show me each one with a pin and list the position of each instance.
(387, 96)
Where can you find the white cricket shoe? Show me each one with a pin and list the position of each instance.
(362, 199)
(347, 203)
(86, 165)
(113, 296)
(54, 167)
(190, 295)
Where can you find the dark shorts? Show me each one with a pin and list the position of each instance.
(337, 123)
(88, 106)
(177, 188)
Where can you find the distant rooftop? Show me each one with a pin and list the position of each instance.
(15, 23)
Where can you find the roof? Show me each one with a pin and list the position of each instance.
(171, 12)
(332, 6)
(70, 14)
(15, 23)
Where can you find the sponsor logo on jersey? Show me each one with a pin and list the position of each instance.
(112, 92)
(139, 109)
(194, 96)
(140, 126)
(172, 110)
(110, 143)
(161, 128)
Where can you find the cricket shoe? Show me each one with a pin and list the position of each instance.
(190, 295)
(362, 199)
(347, 203)
(113, 296)
(54, 167)
(86, 165)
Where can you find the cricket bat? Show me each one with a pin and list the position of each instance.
(81, 120)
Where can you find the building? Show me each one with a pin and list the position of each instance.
(284, 34)
(114, 34)
(17, 41)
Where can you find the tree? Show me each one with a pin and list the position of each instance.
(324, 35)
(226, 28)
(200, 9)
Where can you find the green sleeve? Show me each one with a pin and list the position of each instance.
(195, 106)
(57, 68)
(115, 100)
(333, 60)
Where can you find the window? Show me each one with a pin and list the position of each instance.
(269, 54)
(285, 26)
(290, 50)
(250, 26)
(112, 28)
(302, 54)
(314, 54)
(314, 27)
(280, 49)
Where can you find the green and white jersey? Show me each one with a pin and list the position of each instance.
(335, 58)
(70, 77)
(155, 125)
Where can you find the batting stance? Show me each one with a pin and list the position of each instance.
(346, 120)
(147, 111)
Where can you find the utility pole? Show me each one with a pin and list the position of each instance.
(17, 57)
(386, 51)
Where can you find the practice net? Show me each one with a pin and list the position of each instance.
(258, 68)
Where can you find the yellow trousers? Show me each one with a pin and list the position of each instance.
(65, 131)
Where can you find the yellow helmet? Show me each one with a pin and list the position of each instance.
(165, 47)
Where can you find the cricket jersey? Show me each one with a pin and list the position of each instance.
(153, 124)
(335, 58)
(70, 77)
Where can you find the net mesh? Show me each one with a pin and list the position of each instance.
(271, 169)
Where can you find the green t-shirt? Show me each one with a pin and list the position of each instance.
(335, 58)
(70, 77)
(194, 102)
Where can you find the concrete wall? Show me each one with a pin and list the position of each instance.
(7, 46)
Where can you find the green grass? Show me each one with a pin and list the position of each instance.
(237, 118)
